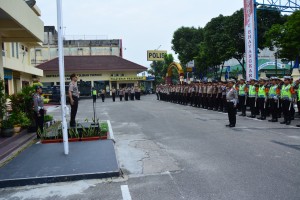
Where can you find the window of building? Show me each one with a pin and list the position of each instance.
(122, 74)
(23, 48)
(17, 49)
(13, 49)
(117, 74)
(3, 50)
(112, 75)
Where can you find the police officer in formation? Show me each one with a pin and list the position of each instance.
(266, 97)
(39, 110)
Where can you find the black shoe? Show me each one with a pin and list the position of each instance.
(298, 125)
(293, 118)
(242, 115)
(251, 116)
(284, 122)
(273, 120)
(228, 125)
(231, 125)
(288, 123)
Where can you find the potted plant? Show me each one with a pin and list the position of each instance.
(23, 102)
(7, 128)
(19, 120)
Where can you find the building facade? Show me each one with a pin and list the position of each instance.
(101, 72)
(73, 47)
(19, 32)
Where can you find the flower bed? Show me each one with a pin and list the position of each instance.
(82, 132)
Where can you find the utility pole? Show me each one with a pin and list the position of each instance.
(276, 63)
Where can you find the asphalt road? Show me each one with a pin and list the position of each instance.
(169, 151)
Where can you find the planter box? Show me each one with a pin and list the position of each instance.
(89, 139)
(7, 132)
(48, 141)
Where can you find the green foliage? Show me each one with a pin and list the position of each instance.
(104, 127)
(221, 39)
(23, 101)
(48, 118)
(185, 43)
(286, 37)
(7, 124)
(2, 99)
(20, 118)
(160, 68)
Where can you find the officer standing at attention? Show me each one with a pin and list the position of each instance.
(242, 88)
(39, 110)
(113, 94)
(121, 93)
(274, 99)
(103, 92)
(126, 93)
(94, 94)
(232, 100)
(286, 95)
(252, 95)
(262, 98)
(74, 96)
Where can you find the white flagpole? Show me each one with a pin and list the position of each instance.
(62, 76)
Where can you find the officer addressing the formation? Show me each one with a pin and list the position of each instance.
(39, 110)
(74, 96)
(232, 100)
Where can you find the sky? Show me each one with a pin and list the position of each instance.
(141, 24)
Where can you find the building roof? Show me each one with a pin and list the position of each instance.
(92, 63)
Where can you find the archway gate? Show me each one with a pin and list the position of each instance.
(176, 66)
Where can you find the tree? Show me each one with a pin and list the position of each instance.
(159, 68)
(286, 37)
(185, 43)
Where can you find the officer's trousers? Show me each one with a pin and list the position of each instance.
(262, 107)
(74, 109)
(242, 103)
(39, 123)
(252, 105)
(121, 97)
(274, 108)
(231, 113)
(103, 97)
(126, 96)
(286, 109)
(94, 98)
(113, 97)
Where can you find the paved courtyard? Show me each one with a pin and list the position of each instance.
(169, 151)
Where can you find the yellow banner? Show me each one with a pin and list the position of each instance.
(156, 55)
(134, 78)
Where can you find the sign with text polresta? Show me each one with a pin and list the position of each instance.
(154, 55)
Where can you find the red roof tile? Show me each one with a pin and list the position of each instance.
(92, 63)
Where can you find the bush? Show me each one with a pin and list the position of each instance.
(7, 124)
(48, 118)
(103, 127)
(20, 118)
(23, 102)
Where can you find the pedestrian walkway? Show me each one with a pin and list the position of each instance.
(46, 163)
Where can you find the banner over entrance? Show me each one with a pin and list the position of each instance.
(250, 39)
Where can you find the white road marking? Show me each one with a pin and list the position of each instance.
(111, 133)
(125, 192)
